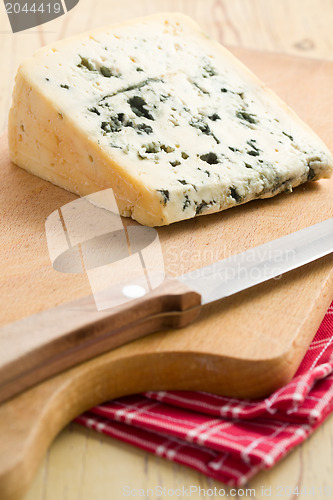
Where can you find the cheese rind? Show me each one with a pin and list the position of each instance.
(166, 117)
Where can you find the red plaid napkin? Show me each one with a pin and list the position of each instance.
(225, 438)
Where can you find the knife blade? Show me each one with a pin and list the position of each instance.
(256, 265)
(51, 341)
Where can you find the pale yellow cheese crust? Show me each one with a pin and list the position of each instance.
(50, 140)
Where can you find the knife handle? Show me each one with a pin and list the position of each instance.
(45, 344)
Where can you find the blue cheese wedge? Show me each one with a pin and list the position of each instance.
(164, 116)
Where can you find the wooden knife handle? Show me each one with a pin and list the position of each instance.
(51, 341)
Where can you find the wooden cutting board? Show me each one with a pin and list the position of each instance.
(246, 345)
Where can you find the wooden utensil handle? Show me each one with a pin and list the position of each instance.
(51, 341)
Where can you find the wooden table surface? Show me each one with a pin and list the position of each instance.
(83, 465)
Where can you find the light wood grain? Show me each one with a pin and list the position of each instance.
(98, 467)
(81, 465)
(299, 27)
(42, 345)
(247, 345)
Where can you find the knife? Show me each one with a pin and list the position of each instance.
(49, 342)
